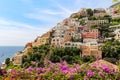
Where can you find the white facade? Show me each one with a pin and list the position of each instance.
(89, 40)
(72, 44)
(18, 58)
(117, 34)
(57, 42)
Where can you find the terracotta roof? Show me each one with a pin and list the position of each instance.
(28, 45)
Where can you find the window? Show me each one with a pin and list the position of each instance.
(53, 39)
(72, 44)
(65, 43)
(68, 43)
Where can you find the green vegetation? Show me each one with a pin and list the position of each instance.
(92, 18)
(71, 55)
(7, 61)
(89, 12)
(82, 22)
(78, 16)
(115, 21)
(9, 65)
(64, 71)
(103, 29)
(106, 17)
(111, 50)
(66, 63)
(93, 26)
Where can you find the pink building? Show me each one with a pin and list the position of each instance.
(91, 34)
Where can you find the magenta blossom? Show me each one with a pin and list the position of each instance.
(14, 72)
(90, 73)
(29, 69)
(86, 78)
(106, 68)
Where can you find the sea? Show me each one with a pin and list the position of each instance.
(8, 52)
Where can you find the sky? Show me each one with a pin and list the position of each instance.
(21, 21)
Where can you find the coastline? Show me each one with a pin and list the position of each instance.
(8, 52)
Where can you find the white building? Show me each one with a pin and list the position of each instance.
(57, 42)
(117, 34)
(17, 59)
(90, 40)
(72, 44)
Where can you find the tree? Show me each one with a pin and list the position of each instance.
(108, 17)
(92, 18)
(93, 26)
(53, 54)
(112, 60)
(7, 61)
(88, 58)
(103, 28)
(111, 49)
(82, 22)
(55, 58)
(78, 16)
(89, 12)
(68, 59)
(26, 65)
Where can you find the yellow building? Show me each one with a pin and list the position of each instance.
(44, 39)
(27, 50)
(41, 41)
(17, 59)
(91, 50)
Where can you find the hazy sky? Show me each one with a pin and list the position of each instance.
(21, 21)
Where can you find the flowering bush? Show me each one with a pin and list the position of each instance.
(64, 71)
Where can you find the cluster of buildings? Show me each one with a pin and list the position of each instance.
(114, 10)
(116, 31)
(71, 33)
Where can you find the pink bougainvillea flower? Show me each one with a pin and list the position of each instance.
(90, 73)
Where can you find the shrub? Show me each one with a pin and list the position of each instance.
(63, 71)
(7, 61)
(112, 60)
(88, 58)
(26, 65)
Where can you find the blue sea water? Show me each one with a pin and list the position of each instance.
(8, 51)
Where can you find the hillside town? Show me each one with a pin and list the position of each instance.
(86, 30)
(84, 46)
